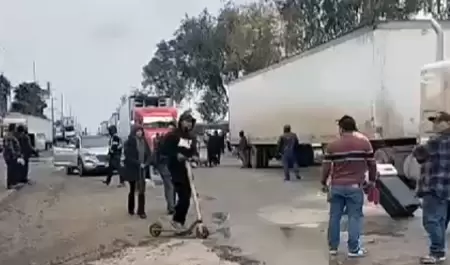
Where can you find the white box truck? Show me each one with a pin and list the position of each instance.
(39, 128)
(372, 74)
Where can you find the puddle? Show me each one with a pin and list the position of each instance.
(381, 226)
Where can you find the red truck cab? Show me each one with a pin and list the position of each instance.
(155, 120)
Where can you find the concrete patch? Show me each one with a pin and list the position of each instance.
(290, 216)
(186, 252)
(5, 194)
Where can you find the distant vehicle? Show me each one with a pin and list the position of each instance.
(83, 154)
(68, 127)
(39, 129)
(153, 113)
(367, 74)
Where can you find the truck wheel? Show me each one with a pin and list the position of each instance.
(305, 155)
(69, 171)
(253, 157)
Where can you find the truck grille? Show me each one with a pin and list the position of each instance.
(102, 158)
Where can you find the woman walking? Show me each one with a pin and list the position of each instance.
(137, 161)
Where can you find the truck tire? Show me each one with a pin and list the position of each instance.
(305, 155)
(259, 157)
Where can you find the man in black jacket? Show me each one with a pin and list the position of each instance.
(27, 151)
(13, 157)
(115, 152)
(178, 146)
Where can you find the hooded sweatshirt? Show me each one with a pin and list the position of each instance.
(179, 141)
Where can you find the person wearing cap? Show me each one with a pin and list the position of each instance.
(434, 186)
(178, 146)
(345, 164)
(288, 146)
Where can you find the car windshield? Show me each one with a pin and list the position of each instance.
(94, 141)
(155, 122)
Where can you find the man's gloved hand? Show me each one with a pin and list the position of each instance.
(143, 166)
(181, 157)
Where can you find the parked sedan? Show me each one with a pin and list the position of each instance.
(83, 154)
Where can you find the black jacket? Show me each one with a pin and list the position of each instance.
(11, 149)
(25, 145)
(132, 171)
(115, 147)
(177, 142)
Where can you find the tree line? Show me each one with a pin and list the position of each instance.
(29, 98)
(208, 51)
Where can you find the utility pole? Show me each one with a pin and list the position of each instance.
(34, 71)
(62, 107)
(53, 110)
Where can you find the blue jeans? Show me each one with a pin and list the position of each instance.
(169, 191)
(434, 220)
(289, 159)
(350, 198)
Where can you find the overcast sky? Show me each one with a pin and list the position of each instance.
(92, 51)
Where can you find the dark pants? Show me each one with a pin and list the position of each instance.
(136, 186)
(12, 173)
(212, 158)
(289, 159)
(219, 155)
(114, 164)
(183, 191)
(169, 192)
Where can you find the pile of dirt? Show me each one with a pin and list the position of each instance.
(174, 252)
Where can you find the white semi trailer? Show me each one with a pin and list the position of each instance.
(372, 74)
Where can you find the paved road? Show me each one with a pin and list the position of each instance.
(256, 217)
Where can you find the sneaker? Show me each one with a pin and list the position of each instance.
(143, 216)
(298, 177)
(121, 185)
(333, 252)
(179, 228)
(360, 253)
(432, 259)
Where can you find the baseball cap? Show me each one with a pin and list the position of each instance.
(441, 116)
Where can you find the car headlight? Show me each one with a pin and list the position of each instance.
(91, 157)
